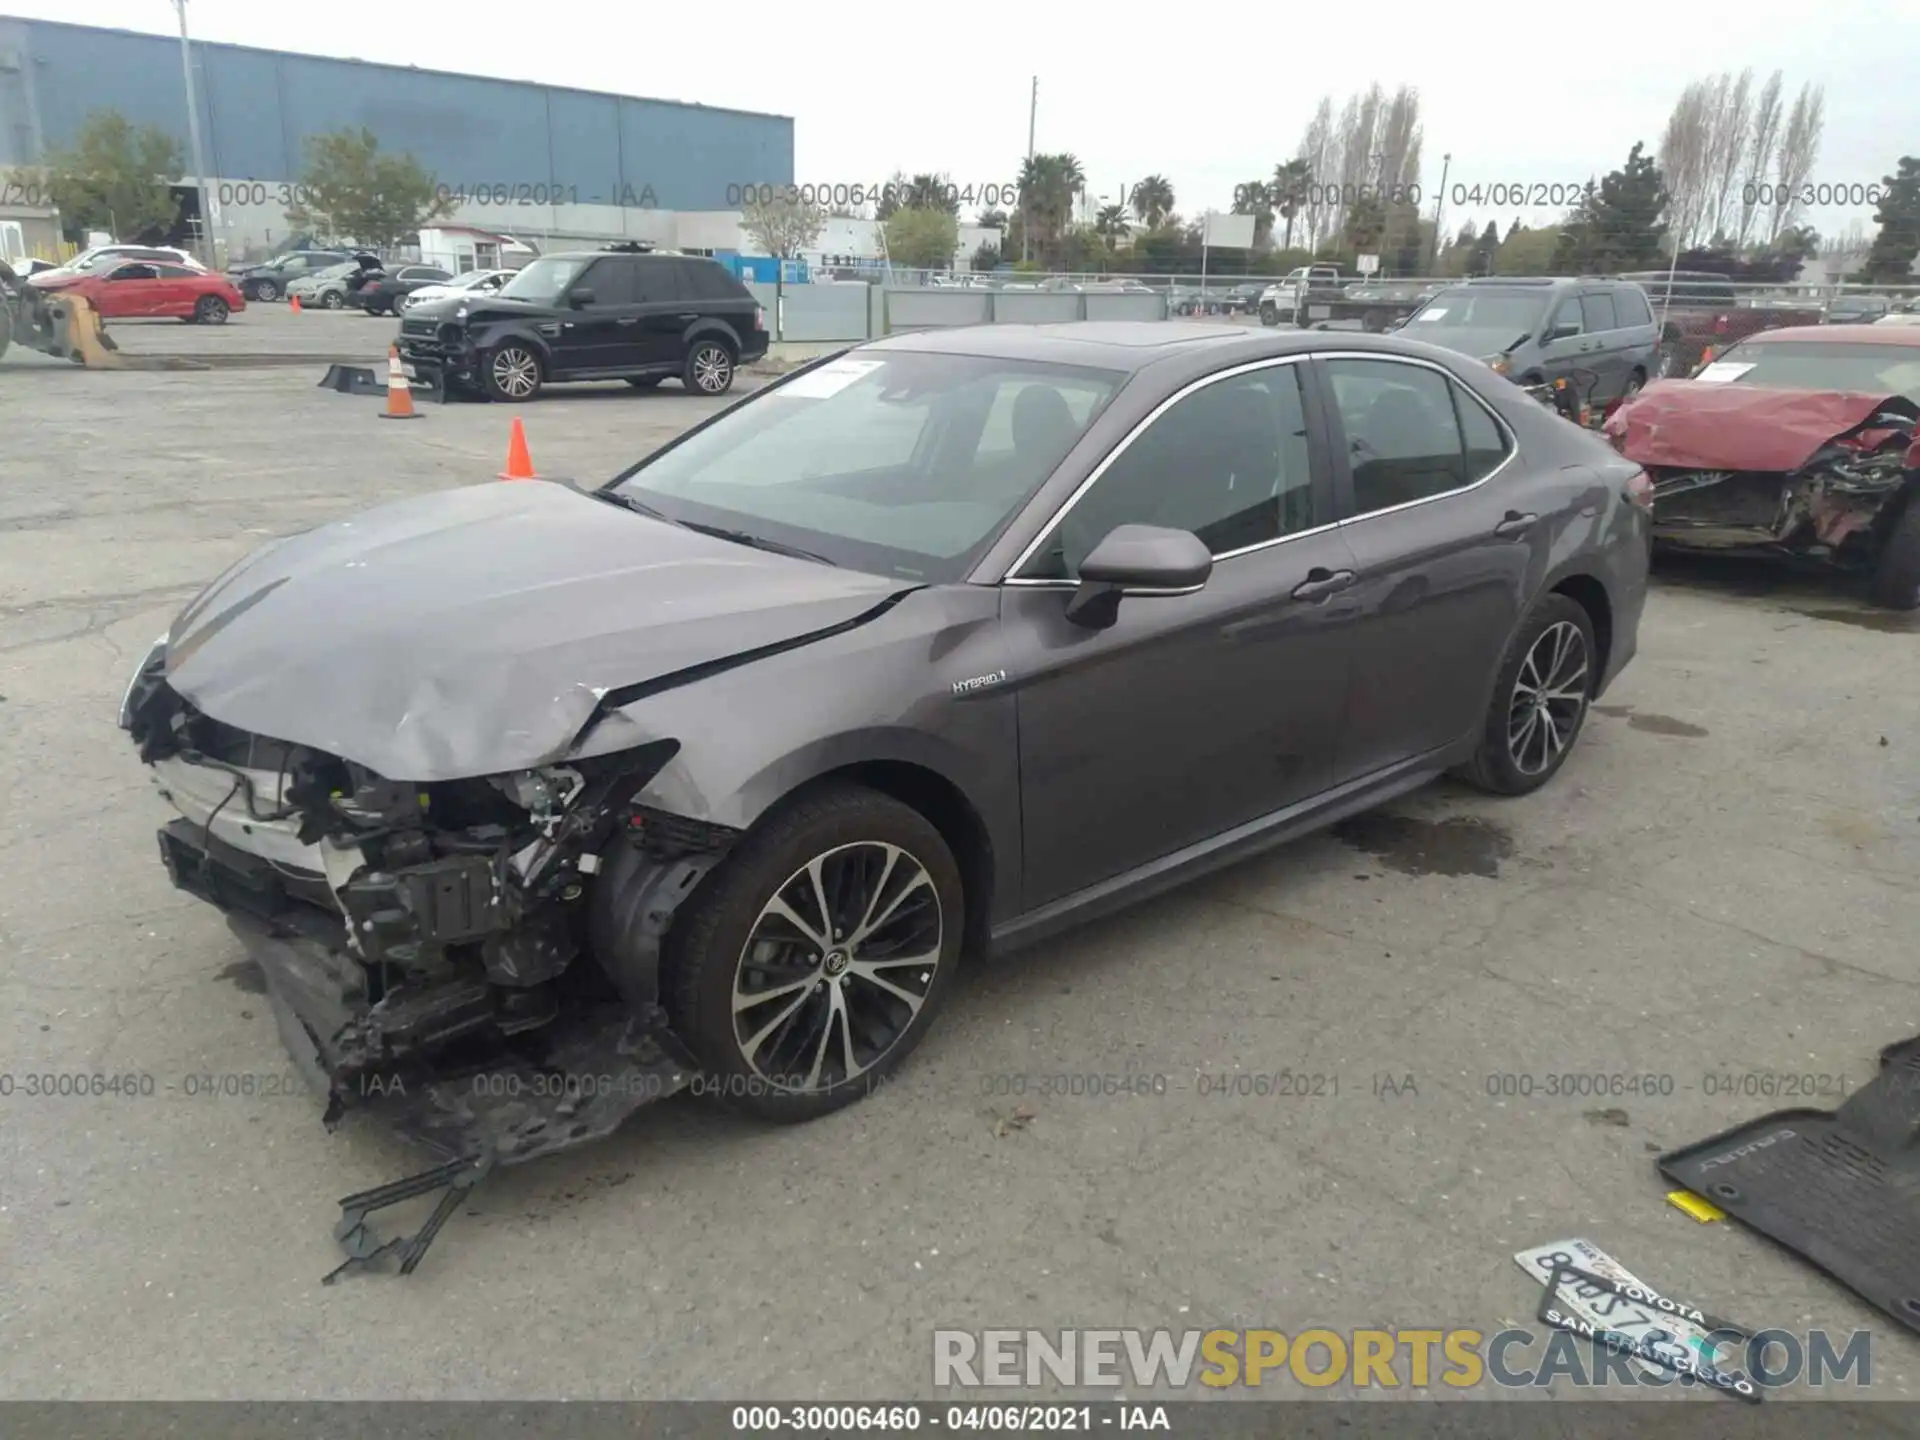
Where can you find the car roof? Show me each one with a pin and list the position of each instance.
(1836, 335)
(1134, 345)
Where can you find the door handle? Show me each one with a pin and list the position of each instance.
(1321, 583)
(686, 319)
(1514, 524)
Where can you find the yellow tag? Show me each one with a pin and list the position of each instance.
(1705, 1211)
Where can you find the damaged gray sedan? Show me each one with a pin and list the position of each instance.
(535, 804)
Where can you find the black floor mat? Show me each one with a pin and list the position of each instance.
(1841, 1188)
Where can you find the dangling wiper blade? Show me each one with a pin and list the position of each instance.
(627, 502)
(758, 542)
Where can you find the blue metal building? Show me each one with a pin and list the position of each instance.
(571, 147)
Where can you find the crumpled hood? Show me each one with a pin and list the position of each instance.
(473, 631)
(1714, 425)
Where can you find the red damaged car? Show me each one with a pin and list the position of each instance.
(1797, 441)
(141, 289)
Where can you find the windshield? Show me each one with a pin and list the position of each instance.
(897, 462)
(543, 282)
(1513, 312)
(1786, 365)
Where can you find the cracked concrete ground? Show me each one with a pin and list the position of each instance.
(1724, 880)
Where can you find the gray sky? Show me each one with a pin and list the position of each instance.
(877, 88)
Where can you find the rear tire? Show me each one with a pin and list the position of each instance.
(868, 984)
(265, 290)
(1540, 699)
(1896, 575)
(210, 310)
(709, 368)
(332, 300)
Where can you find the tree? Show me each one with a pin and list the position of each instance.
(1763, 142)
(1793, 163)
(922, 237)
(1111, 225)
(1369, 158)
(1529, 252)
(353, 192)
(992, 220)
(1485, 249)
(1891, 257)
(986, 256)
(1616, 225)
(1049, 185)
(1152, 201)
(892, 196)
(116, 176)
(783, 226)
(1318, 159)
(1255, 199)
(925, 191)
(1288, 192)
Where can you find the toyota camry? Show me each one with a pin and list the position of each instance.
(714, 773)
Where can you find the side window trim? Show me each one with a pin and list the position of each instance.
(1460, 388)
(1026, 556)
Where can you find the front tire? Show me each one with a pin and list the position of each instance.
(332, 300)
(1540, 700)
(511, 372)
(810, 963)
(210, 310)
(265, 290)
(1896, 575)
(709, 368)
(1269, 313)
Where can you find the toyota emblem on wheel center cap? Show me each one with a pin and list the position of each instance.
(836, 963)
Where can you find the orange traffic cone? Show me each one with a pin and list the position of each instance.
(519, 462)
(399, 397)
(293, 303)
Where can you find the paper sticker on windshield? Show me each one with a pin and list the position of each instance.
(830, 379)
(1723, 370)
(1430, 313)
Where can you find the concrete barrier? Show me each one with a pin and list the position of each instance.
(848, 313)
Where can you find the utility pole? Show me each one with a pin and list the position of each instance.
(1439, 209)
(1026, 207)
(193, 132)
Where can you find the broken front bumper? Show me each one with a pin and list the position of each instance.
(571, 1081)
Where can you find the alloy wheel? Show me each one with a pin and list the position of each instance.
(712, 369)
(836, 967)
(1549, 698)
(516, 373)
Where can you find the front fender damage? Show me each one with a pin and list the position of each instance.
(474, 963)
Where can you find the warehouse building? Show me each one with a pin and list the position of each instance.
(540, 162)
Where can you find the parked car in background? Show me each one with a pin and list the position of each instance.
(1857, 309)
(613, 314)
(379, 292)
(140, 289)
(1699, 312)
(937, 647)
(473, 283)
(1903, 317)
(107, 255)
(271, 279)
(31, 266)
(328, 289)
(1537, 331)
(1281, 301)
(1795, 441)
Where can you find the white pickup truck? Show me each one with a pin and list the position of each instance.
(1293, 292)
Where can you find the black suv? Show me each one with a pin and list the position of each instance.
(615, 314)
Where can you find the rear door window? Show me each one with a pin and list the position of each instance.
(704, 280)
(1631, 306)
(1403, 432)
(658, 282)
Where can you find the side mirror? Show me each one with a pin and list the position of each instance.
(1561, 332)
(1134, 559)
(580, 297)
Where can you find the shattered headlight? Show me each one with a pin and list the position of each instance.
(150, 667)
(1499, 364)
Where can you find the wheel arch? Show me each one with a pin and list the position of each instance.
(713, 328)
(1590, 594)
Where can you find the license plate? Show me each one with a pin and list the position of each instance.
(1607, 1311)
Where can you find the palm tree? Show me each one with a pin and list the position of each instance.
(1048, 187)
(1111, 224)
(1152, 200)
(1289, 192)
(1255, 198)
